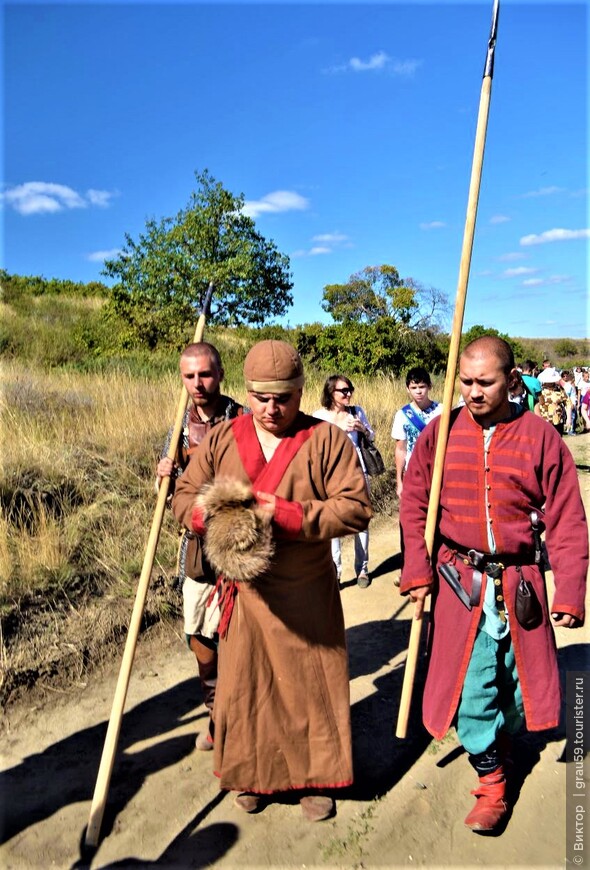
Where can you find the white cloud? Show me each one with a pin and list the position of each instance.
(376, 61)
(556, 235)
(432, 225)
(405, 67)
(511, 257)
(519, 270)
(100, 198)
(39, 197)
(99, 256)
(380, 61)
(45, 197)
(542, 191)
(499, 219)
(551, 281)
(325, 244)
(272, 203)
(331, 238)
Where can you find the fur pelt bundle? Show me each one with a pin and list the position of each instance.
(238, 543)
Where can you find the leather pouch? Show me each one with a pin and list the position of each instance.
(527, 607)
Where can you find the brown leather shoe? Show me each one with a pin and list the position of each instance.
(317, 807)
(248, 802)
(490, 807)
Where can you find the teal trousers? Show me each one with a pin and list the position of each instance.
(491, 700)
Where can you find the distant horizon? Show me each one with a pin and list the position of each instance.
(445, 331)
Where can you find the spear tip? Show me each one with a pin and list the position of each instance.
(489, 65)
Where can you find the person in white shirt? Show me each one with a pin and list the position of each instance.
(337, 408)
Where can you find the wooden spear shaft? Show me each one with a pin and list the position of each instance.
(443, 432)
(112, 736)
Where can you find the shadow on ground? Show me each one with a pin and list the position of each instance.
(193, 847)
(65, 773)
(380, 758)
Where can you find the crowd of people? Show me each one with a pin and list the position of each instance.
(559, 397)
(265, 494)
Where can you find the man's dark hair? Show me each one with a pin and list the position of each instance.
(529, 365)
(418, 375)
(492, 344)
(329, 387)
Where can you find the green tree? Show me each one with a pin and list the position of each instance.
(163, 276)
(370, 348)
(378, 291)
(566, 347)
(478, 330)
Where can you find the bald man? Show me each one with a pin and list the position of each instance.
(493, 664)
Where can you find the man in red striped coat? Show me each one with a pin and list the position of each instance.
(493, 663)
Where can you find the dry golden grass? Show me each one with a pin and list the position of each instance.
(80, 449)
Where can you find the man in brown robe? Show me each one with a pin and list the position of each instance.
(282, 712)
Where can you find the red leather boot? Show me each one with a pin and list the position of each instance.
(490, 806)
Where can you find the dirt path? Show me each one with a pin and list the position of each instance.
(164, 807)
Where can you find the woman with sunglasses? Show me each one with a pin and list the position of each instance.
(337, 408)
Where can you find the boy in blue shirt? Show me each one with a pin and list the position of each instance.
(409, 422)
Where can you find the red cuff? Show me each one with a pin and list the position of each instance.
(197, 521)
(571, 611)
(288, 517)
(406, 586)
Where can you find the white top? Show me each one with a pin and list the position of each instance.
(404, 430)
(358, 412)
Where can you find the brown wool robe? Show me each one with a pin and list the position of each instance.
(282, 709)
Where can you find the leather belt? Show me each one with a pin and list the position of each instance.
(491, 566)
(505, 559)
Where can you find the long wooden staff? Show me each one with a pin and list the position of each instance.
(443, 432)
(110, 745)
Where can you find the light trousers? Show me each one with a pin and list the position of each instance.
(361, 553)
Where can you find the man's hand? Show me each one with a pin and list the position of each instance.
(418, 596)
(165, 467)
(267, 502)
(565, 620)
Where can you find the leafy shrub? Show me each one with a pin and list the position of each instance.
(369, 348)
(566, 348)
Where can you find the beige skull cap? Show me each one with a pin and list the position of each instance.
(273, 366)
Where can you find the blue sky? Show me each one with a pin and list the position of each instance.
(349, 128)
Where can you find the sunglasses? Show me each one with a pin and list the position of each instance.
(347, 391)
